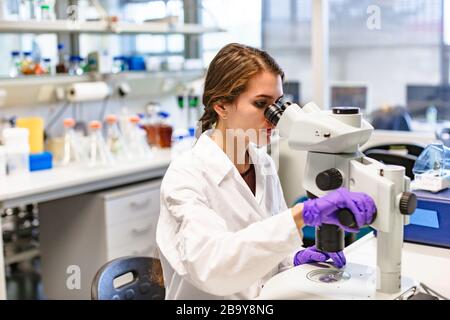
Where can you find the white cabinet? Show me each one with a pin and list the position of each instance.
(79, 234)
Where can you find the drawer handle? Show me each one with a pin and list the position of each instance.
(143, 251)
(139, 230)
(135, 204)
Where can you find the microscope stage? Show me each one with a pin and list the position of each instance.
(322, 281)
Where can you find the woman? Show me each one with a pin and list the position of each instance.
(224, 227)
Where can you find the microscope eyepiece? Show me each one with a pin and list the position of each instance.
(274, 112)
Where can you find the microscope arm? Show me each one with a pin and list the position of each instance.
(389, 188)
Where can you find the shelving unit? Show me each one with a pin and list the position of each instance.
(43, 89)
(103, 27)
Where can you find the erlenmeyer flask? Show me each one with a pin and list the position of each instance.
(99, 154)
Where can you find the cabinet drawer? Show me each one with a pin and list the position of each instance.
(142, 247)
(132, 207)
(131, 232)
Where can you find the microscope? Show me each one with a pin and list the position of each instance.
(332, 139)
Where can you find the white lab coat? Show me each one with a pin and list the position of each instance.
(216, 239)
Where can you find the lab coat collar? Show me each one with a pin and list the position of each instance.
(213, 157)
(220, 165)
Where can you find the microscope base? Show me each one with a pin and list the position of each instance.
(358, 282)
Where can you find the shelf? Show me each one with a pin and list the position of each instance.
(43, 89)
(103, 27)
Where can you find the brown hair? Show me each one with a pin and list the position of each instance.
(228, 76)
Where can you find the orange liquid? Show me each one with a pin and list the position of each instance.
(159, 135)
(152, 134)
(165, 136)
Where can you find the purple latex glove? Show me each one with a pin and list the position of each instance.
(311, 254)
(324, 209)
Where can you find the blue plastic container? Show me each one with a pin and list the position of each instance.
(41, 161)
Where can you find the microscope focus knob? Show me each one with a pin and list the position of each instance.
(408, 203)
(329, 179)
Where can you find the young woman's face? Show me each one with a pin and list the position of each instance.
(247, 113)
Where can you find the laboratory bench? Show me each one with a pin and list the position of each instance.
(105, 197)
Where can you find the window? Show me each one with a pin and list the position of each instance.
(241, 20)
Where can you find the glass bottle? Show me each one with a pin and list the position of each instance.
(47, 66)
(165, 130)
(75, 66)
(151, 124)
(14, 69)
(27, 65)
(73, 152)
(137, 140)
(117, 65)
(61, 67)
(46, 12)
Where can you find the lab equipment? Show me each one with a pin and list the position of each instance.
(311, 255)
(194, 105)
(430, 223)
(61, 67)
(14, 69)
(118, 64)
(114, 139)
(27, 65)
(99, 154)
(159, 129)
(41, 161)
(47, 12)
(332, 140)
(432, 115)
(17, 151)
(35, 126)
(432, 169)
(151, 123)
(135, 63)
(165, 130)
(26, 10)
(75, 68)
(324, 210)
(136, 140)
(73, 147)
(47, 66)
(99, 61)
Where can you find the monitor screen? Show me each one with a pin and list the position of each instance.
(419, 98)
(349, 96)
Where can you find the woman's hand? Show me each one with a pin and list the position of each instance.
(325, 209)
(311, 255)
